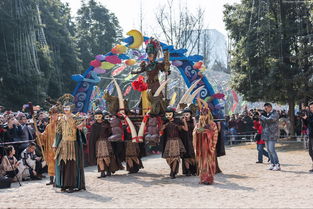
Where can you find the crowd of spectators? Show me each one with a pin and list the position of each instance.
(240, 127)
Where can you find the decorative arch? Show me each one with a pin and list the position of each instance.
(87, 80)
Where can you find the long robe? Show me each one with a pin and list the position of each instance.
(133, 154)
(69, 155)
(220, 146)
(188, 159)
(173, 148)
(205, 145)
(90, 149)
(47, 139)
(103, 150)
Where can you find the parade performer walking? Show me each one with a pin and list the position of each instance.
(205, 137)
(133, 153)
(173, 147)
(47, 138)
(69, 141)
(100, 132)
(188, 160)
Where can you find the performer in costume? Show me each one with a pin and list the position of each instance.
(153, 67)
(220, 146)
(205, 138)
(188, 160)
(47, 139)
(173, 148)
(69, 141)
(100, 132)
(132, 154)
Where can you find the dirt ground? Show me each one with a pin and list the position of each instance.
(243, 184)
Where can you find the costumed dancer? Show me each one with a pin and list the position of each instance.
(220, 145)
(100, 132)
(173, 148)
(205, 138)
(69, 141)
(47, 138)
(188, 160)
(132, 153)
(153, 66)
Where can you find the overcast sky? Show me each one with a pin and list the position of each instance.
(128, 12)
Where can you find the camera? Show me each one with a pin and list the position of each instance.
(302, 113)
(4, 126)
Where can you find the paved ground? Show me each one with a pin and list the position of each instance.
(243, 184)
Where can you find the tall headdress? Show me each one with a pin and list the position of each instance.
(54, 109)
(153, 47)
(205, 112)
(66, 100)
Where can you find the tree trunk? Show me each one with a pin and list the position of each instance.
(291, 115)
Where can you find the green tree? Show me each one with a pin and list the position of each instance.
(19, 65)
(38, 53)
(63, 51)
(272, 54)
(97, 30)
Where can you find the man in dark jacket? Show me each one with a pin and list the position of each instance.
(308, 119)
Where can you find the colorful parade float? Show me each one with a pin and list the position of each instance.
(142, 65)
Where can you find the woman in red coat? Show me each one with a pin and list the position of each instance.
(260, 143)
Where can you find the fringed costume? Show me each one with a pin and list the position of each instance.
(205, 138)
(173, 147)
(106, 161)
(132, 154)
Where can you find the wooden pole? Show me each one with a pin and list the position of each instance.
(36, 129)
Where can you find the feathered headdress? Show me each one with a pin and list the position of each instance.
(204, 109)
(153, 47)
(53, 110)
(66, 100)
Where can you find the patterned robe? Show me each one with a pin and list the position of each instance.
(173, 147)
(69, 154)
(103, 151)
(205, 146)
(47, 139)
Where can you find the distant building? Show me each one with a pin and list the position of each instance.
(212, 45)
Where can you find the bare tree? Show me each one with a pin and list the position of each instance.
(182, 30)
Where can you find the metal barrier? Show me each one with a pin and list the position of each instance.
(2, 144)
(237, 139)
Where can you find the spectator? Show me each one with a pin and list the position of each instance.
(28, 131)
(9, 164)
(308, 119)
(14, 129)
(42, 122)
(270, 134)
(260, 143)
(32, 162)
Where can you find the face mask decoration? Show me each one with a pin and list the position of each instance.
(98, 117)
(151, 57)
(187, 115)
(67, 109)
(107, 117)
(169, 115)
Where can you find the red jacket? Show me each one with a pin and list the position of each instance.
(259, 128)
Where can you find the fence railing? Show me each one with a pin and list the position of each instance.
(240, 138)
(2, 144)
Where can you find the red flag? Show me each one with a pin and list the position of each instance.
(218, 96)
(118, 70)
(127, 91)
(235, 96)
